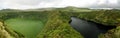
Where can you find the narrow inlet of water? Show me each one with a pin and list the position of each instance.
(88, 29)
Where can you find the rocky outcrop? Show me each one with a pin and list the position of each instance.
(3, 32)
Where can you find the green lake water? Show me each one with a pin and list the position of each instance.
(28, 27)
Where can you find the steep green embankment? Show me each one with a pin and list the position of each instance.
(3, 32)
(58, 27)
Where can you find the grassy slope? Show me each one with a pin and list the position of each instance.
(58, 27)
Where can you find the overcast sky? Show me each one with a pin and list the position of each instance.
(28, 4)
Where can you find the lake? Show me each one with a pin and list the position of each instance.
(27, 27)
(87, 28)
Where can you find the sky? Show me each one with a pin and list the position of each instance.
(30, 4)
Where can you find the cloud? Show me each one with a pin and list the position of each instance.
(27, 4)
(106, 4)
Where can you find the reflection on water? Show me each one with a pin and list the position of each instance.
(88, 29)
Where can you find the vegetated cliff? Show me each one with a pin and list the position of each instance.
(58, 27)
(3, 32)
